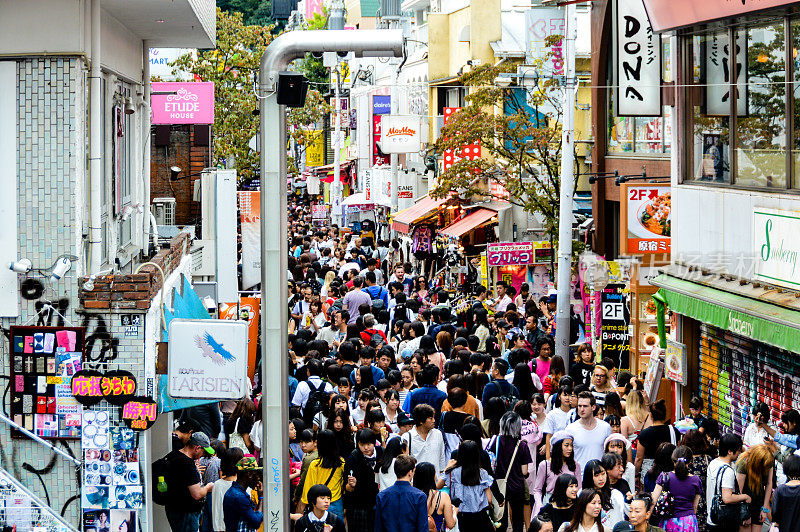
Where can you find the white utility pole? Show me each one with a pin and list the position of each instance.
(567, 185)
(395, 107)
(336, 191)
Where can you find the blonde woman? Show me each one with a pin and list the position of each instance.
(329, 277)
(601, 385)
(637, 416)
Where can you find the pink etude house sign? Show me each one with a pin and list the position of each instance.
(185, 103)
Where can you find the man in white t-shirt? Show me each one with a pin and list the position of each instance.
(589, 432)
(730, 447)
(557, 419)
(314, 379)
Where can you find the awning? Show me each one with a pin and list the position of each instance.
(360, 198)
(752, 318)
(471, 221)
(403, 220)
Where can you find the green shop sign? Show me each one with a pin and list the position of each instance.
(776, 247)
(751, 318)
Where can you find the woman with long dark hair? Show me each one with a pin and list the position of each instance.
(339, 425)
(337, 402)
(661, 464)
(327, 470)
(562, 501)
(513, 462)
(239, 425)
(470, 488)
(384, 467)
(482, 329)
(686, 492)
(562, 461)
(596, 477)
(586, 518)
(702, 455)
(523, 381)
(440, 508)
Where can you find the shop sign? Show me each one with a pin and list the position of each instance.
(510, 253)
(718, 76)
(378, 157)
(405, 191)
(540, 24)
(468, 151)
(638, 62)
(671, 14)
(647, 210)
(615, 317)
(368, 184)
(319, 211)
(207, 359)
(140, 413)
(776, 248)
(185, 103)
(89, 386)
(315, 148)
(250, 218)
(400, 134)
(675, 362)
(381, 105)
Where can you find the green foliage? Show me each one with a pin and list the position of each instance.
(233, 67)
(254, 12)
(311, 67)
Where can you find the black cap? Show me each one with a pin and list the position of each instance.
(624, 526)
(403, 419)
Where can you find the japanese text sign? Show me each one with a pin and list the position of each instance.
(140, 413)
(89, 387)
(183, 103)
(648, 227)
(638, 62)
(510, 253)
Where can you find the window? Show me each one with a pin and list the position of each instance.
(737, 104)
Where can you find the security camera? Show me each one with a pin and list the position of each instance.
(20, 266)
(62, 266)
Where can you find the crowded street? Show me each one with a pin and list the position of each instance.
(400, 266)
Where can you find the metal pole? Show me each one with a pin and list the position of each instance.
(336, 192)
(393, 158)
(274, 361)
(567, 184)
(274, 248)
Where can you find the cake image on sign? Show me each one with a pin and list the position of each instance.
(207, 359)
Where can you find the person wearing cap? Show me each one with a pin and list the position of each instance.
(619, 444)
(238, 508)
(318, 519)
(186, 491)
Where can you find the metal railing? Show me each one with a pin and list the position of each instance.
(25, 510)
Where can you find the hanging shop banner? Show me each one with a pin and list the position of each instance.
(422, 239)
(378, 157)
(647, 210)
(638, 62)
(248, 310)
(320, 211)
(615, 316)
(401, 133)
(207, 359)
(42, 360)
(315, 148)
(543, 23)
(718, 74)
(182, 103)
(652, 378)
(140, 413)
(89, 387)
(675, 362)
(250, 214)
(468, 151)
(775, 247)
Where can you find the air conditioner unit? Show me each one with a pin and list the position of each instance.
(164, 211)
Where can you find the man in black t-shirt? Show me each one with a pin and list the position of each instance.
(186, 491)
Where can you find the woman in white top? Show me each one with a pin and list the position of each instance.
(384, 468)
(314, 319)
(637, 415)
(612, 500)
(587, 513)
(755, 434)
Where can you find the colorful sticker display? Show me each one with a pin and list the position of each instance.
(42, 359)
(112, 478)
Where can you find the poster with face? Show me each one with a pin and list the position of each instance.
(539, 279)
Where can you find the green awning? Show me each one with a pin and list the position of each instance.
(751, 318)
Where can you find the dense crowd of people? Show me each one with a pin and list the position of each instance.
(414, 409)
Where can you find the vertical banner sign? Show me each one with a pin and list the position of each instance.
(248, 309)
(381, 105)
(541, 23)
(250, 212)
(615, 317)
(315, 148)
(638, 62)
(368, 184)
(469, 151)
(648, 211)
(719, 71)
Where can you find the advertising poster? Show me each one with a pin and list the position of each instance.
(250, 212)
(647, 211)
(315, 148)
(615, 316)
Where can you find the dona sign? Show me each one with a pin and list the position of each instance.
(183, 103)
(207, 359)
(400, 134)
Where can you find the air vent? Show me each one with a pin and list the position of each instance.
(164, 211)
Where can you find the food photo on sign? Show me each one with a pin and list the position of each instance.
(648, 215)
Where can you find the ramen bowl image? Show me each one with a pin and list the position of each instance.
(654, 216)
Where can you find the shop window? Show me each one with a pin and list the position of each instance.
(761, 125)
(708, 108)
(795, 100)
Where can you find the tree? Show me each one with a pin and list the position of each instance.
(519, 131)
(254, 12)
(233, 67)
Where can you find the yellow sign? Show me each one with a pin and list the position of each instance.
(345, 75)
(484, 271)
(315, 148)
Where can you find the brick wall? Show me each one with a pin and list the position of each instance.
(192, 159)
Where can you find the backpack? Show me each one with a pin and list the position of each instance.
(318, 399)
(160, 468)
(508, 398)
(665, 505)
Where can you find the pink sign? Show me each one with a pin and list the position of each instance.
(183, 103)
(510, 253)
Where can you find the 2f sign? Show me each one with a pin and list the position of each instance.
(613, 311)
(638, 62)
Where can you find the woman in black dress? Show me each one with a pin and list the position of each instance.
(562, 502)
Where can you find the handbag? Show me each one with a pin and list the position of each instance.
(498, 510)
(725, 515)
(665, 505)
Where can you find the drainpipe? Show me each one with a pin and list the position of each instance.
(95, 145)
(146, 147)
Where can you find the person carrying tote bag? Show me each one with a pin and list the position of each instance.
(513, 457)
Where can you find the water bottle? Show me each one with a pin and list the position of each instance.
(162, 485)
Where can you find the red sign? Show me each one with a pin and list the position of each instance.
(469, 151)
(89, 387)
(377, 156)
(510, 253)
(669, 14)
(647, 212)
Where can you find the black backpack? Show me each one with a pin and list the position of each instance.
(508, 397)
(161, 469)
(318, 399)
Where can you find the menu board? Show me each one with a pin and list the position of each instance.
(43, 361)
